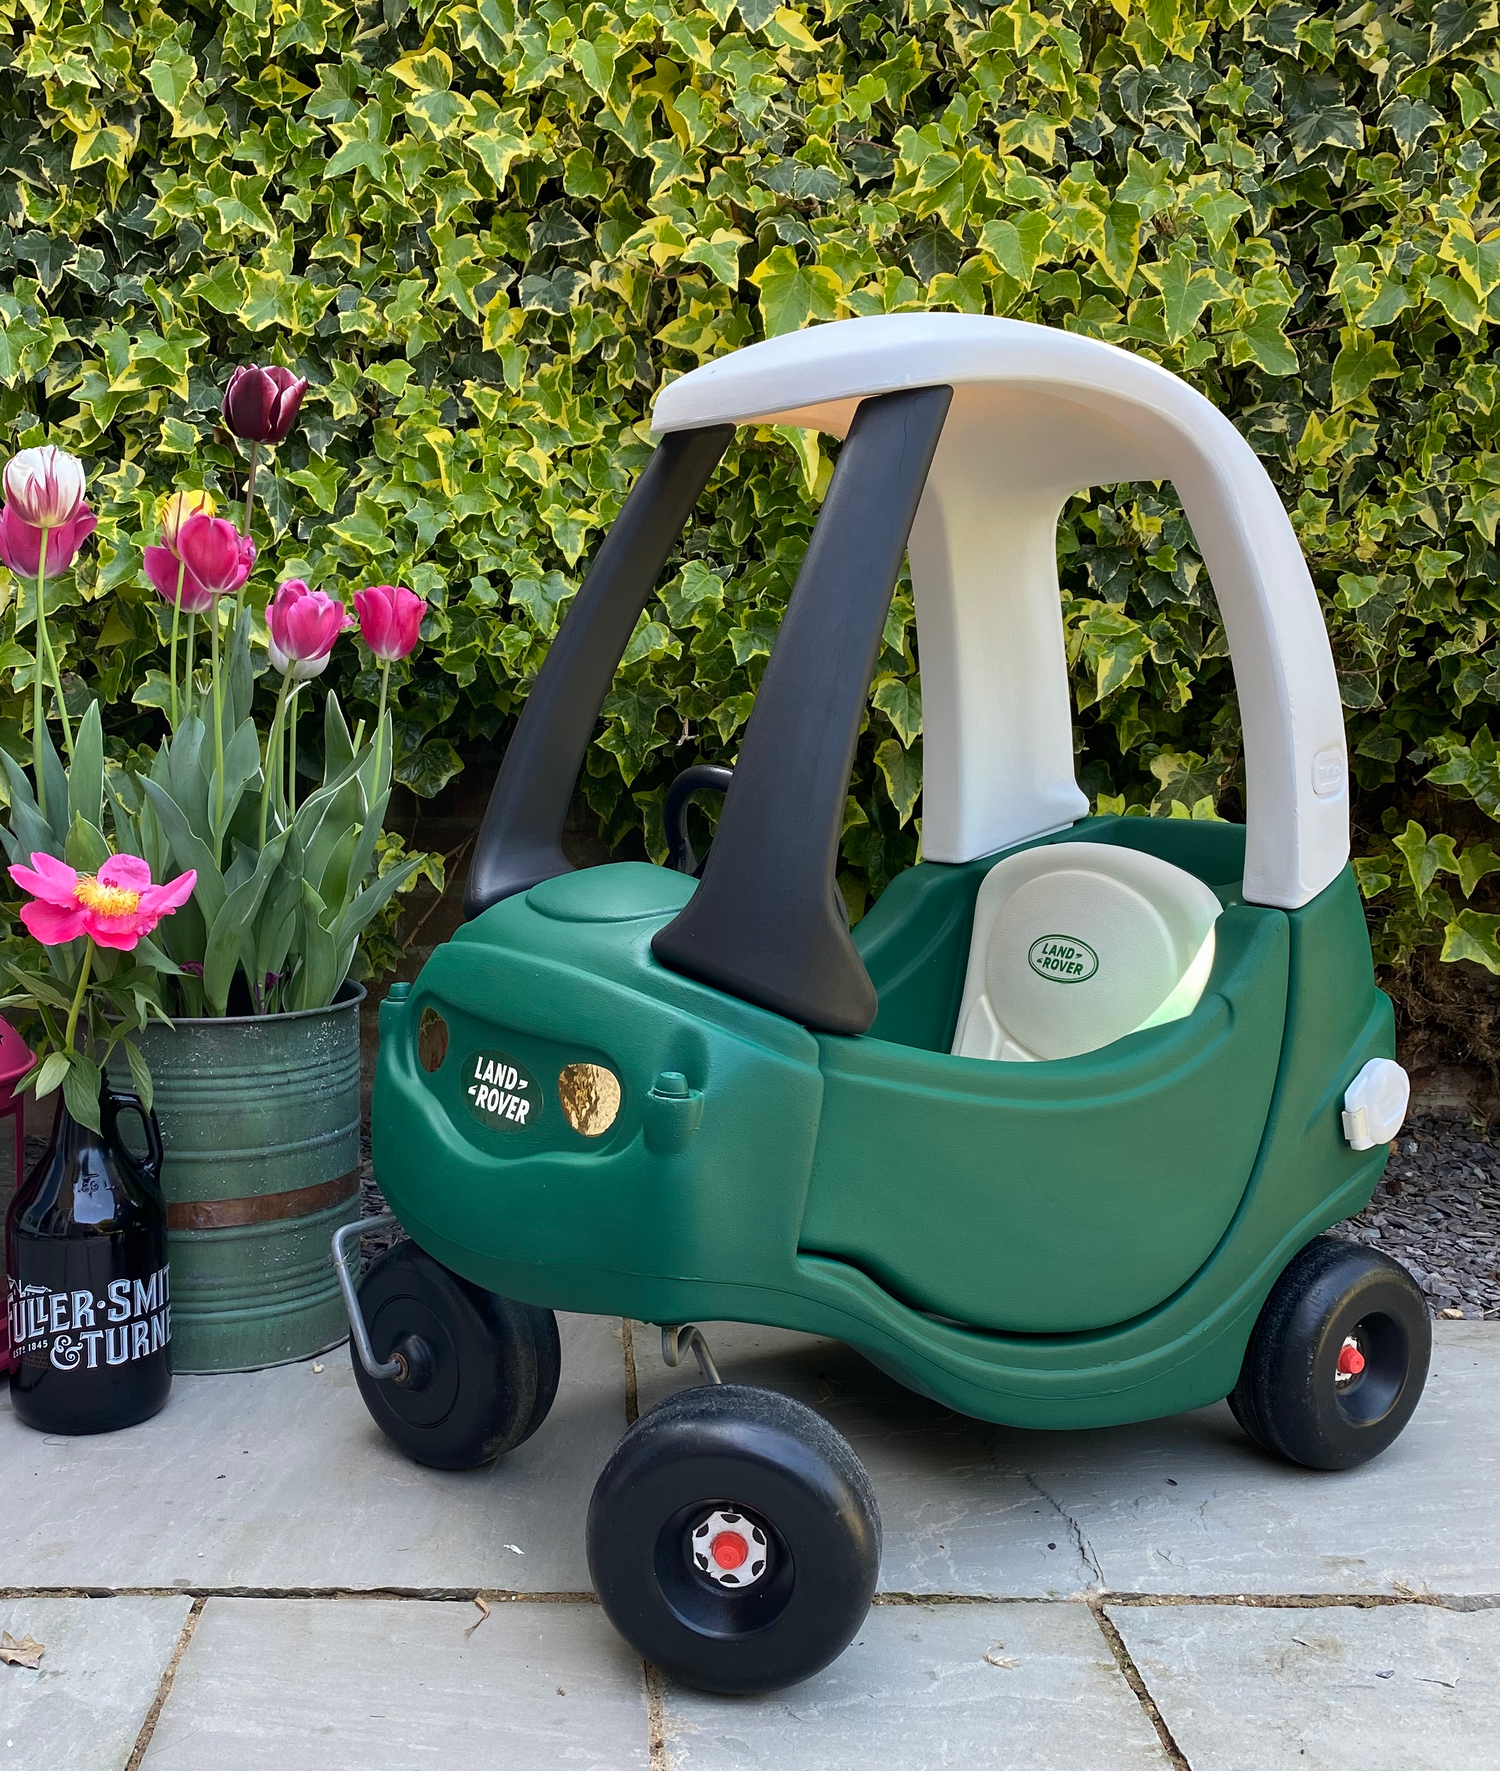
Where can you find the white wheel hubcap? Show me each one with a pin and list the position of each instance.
(730, 1549)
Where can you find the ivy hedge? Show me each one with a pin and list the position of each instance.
(487, 233)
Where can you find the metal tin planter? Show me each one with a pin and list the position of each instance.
(260, 1118)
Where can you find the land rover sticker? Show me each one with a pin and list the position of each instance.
(1062, 960)
(501, 1094)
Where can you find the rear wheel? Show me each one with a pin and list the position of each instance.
(1337, 1358)
(734, 1539)
(480, 1371)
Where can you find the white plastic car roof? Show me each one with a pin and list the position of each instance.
(1037, 415)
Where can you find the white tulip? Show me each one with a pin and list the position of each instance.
(301, 670)
(44, 487)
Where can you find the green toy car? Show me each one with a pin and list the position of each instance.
(1051, 1136)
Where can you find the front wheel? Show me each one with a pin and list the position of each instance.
(479, 1371)
(734, 1539)
(1337, 1358)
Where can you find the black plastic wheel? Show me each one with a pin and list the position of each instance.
(734, 1539)
(482, 1370)
(1337, 1358)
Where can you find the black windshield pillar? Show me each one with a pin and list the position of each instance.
(520, 839)
(766, 923)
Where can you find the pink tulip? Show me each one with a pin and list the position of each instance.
(114, 907)
(303, 625)
(390, 619)
(21, 542)
(162, 568)
(45, 486)
(215, 553)
(260, 405)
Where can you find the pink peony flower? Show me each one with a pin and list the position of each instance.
(162, 566)
(390, 619)
(215, 553)
(115, 907)
(303, 625)
(45, 486)
(21, 542)
(260, 405)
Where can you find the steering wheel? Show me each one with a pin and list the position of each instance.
(701, 778)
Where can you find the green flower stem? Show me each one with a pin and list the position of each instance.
(213, 637)
(250, 486)
(187, 670)
(273, 753)
(291, 764)
(385, 677)
(38, 704)
(83, 984)
(47, 648)
(176, 612)
(239, 595)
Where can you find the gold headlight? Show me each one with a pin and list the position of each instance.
(590, 1097)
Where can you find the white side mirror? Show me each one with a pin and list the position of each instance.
(1375, 1104)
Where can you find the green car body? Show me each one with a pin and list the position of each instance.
(1062, 1244)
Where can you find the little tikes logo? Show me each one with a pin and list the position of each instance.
(501, 1094)
(1062, 959)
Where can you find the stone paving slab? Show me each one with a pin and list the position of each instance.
(1393, 1688)
(280, 1479)
(980, 1686)
(1184, 1505)
(396, 1685)
(83, 1707)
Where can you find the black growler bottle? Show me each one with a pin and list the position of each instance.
(86, 1278)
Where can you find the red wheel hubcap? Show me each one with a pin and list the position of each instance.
(1351, 1361)
(729, 1549)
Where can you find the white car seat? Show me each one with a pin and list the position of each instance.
(1076, 944)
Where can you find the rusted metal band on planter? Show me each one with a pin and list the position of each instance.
(263, 1208)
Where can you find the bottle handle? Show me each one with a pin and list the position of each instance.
(115, 1101)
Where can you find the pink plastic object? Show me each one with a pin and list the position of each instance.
(15, 1061)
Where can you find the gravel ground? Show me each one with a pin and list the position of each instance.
(1437, 1210)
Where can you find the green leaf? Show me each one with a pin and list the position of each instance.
(1016, 245)
(1266, 344)
(140, 1074)
(86, 770)
(81, 1085)
(1472, 935)
(1455, 22)
(791, 294)
(901, 702)
(189, 851)
(901, 770)
(720, 254)
(542, 599)
(1362, 360)
(317, 978)
(1186, 289)
(227, 931)
(1473, 864)
(85, 850)
(54, 1069)
(1408, 121)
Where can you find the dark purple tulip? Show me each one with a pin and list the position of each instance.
(260, 405)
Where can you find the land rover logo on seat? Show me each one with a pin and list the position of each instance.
(1062, 959)
(501, 1094)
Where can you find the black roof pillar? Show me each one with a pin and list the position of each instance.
(520, 840)
(766, 923)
